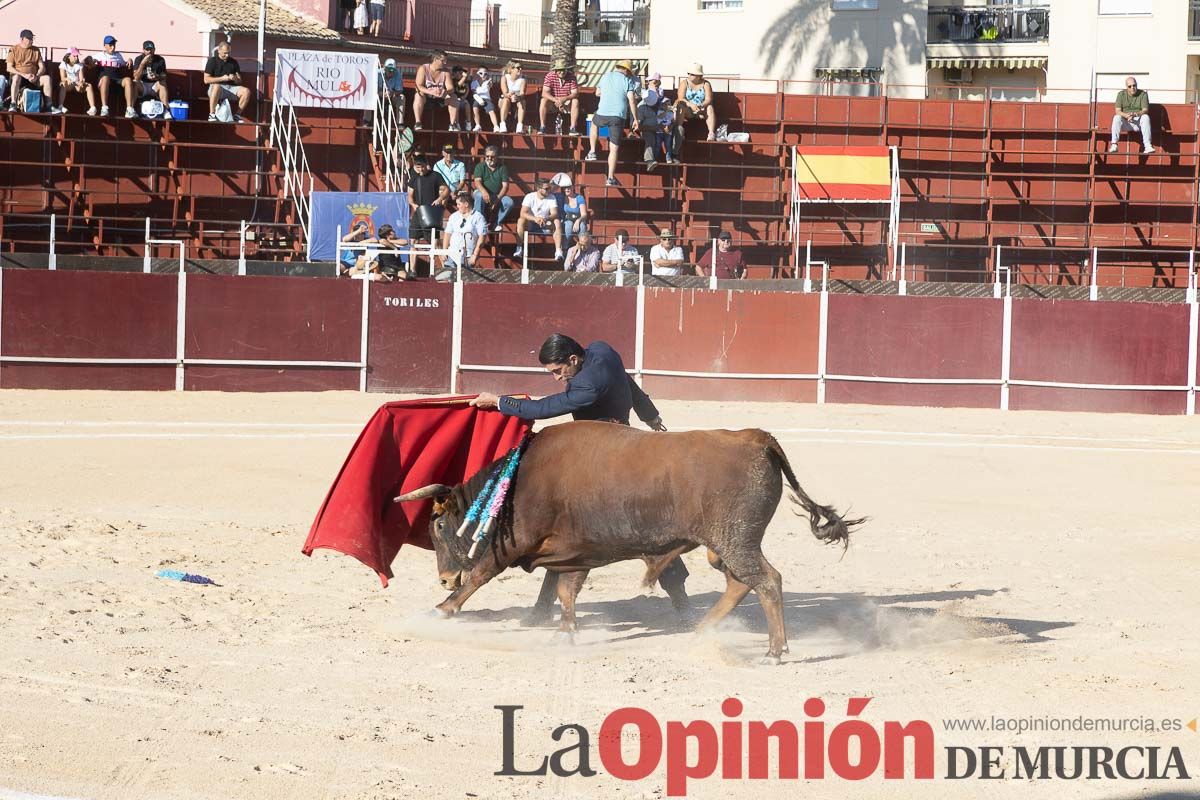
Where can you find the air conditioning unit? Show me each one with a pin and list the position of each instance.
(956, 74)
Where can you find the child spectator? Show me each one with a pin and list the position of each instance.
(481, 99)
(71, 79)
(460, 92)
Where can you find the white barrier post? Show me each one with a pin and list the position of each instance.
(807, 257)
(1191, 285)
(146, 258)
(363, 338)
(902, 287)
(52, 260)
(1095, 292)
(337, 252)
(242, 250)
(621, 262)
(823, 336)
(1006, 343)
(712, 267)
(996, 275)
(180, 323)
(432, 247)
(525, 259)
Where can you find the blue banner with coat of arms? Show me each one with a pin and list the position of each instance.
(347, 209)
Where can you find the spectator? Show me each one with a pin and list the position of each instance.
(347, 7)
(361, 17)
(572, 206)
(460, 82)
(491, 186)
(655, 127)
(560, 91)
(464, 234)
(150, 77)
(112, 70)
(1133, 114)
(512, 93)
(584, 256)
(3, 92)
(387, 263)
(730, 263)
(618, 98)
(26, 69)
(666, 257)
(453, 171)
(539, 216)
(427, 194)
(433, 87)
(620, 255)
(71, 79)
(354, 258)
(375, 9)
(223, 77)
(391, 80)
(696, 100)
(481, 99)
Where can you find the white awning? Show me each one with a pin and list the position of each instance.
(988, 62)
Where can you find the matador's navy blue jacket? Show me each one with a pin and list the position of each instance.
(601, 390)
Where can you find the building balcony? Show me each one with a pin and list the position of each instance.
(989, 25)
(609, 28)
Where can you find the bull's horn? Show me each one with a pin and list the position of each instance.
(432, 490)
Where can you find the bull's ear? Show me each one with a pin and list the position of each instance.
(436, 490)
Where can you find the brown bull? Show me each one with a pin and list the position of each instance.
(589, 494)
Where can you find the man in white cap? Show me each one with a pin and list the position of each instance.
(696, 100)
(560, 90)
(618, 107)
(391, 80)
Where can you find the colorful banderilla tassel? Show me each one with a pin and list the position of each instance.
(477, 506)
(496, 501)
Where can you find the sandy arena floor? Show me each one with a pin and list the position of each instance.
(1015, 564)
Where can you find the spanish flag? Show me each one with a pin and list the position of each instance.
(843, 173)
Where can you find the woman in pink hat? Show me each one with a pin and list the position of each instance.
(71, 79)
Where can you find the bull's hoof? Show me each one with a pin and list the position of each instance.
(563, 638)
(445, 611)
(770, 661)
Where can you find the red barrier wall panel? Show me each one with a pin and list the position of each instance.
(1041, 398)
(1076, 341)
(87, 315)
(87, 376)
(272, 318)
(408, 337)
(505, 324)
(698, 330)
(914, 337)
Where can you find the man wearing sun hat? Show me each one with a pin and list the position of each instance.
(618, 107)
(696, 100)
(560, 90)
(26, 69)
(666, 257)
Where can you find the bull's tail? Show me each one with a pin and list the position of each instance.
(827, 525)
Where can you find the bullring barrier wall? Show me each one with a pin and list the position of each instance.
(109, 330)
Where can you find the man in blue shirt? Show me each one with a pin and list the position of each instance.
(618, 107)
(598, 388)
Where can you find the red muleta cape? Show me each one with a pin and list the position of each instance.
(404, 446)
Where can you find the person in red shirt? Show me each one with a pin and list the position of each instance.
(730, 263)
(560, 90)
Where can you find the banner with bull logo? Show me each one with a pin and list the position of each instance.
(347, 209)
(319, 79)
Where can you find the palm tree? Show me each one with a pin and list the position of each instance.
(566, 25)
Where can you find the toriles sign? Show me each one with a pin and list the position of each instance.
(319, 79)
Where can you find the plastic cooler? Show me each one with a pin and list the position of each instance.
(179, 109)
(602, 132)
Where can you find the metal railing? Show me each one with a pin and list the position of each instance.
(521, 33)
(992, 23)
(386, 125)
(297, 177)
